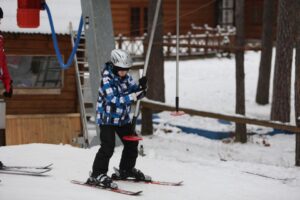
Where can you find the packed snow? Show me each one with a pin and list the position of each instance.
(211, 169)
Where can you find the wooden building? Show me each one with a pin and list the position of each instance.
(130, 16)
(44, 107)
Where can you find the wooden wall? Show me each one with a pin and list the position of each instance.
(39, 44)
(190, 9)
(53, 129)
(198, 12)
(191, 12)
(253, 18)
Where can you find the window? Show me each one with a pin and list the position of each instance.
(226, 12)
(145, 20)
(138, 20)
(135, 21)
(35, 72)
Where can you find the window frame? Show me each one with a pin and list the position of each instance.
(37, 90)
(143, 8)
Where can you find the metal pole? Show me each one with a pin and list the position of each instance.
(137, 108)
(151, 37)
(99, 43)
(177, 56)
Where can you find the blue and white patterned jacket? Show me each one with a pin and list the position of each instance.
(115, 98)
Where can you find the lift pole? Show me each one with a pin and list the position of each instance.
(100, 42)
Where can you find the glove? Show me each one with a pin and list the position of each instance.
(143, 83)
(138, 95)
(10, 92)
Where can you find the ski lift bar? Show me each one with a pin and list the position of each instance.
(137, 108)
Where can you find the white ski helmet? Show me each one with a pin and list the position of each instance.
(121, 58)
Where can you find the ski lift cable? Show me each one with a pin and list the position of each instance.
(55, 43)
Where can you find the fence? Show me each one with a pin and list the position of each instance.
(200, 41)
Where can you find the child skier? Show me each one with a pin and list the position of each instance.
(4, 74)
(117, 92)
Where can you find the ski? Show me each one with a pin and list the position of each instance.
(147, 181)
(166, 183)
(118, 190)
(28, 167)
(24, 172)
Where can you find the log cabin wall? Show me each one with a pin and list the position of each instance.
(253, 18)
(192, 11)
(39, 44)
(199, 12)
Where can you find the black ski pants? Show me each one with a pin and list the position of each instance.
(107, 138)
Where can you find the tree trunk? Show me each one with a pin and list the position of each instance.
(240, 131)
(155, 73)
(297, 82)
(283, 62)
(263, 85)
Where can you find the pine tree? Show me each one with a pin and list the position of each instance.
(263, 85)
(155, 73)
(283, 61)
(241, 130)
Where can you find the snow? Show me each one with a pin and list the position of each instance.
(211, 169)
(63, 12)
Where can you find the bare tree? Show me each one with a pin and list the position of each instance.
(297, 81)
(283, 61)
(155, 73)
(240, 130)
(263, 85)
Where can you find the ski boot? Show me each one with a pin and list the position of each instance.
(133, 174)
(102, 180)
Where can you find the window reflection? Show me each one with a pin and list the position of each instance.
(35, 71)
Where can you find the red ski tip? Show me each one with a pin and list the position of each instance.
(177, 113)
(132, 138)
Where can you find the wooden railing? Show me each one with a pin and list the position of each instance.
(201, 41)
(158, 106)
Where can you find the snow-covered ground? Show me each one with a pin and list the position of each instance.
(211, 169)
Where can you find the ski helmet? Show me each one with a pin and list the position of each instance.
(121, 58)
(1, 13)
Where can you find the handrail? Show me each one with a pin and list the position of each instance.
(158, 106)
